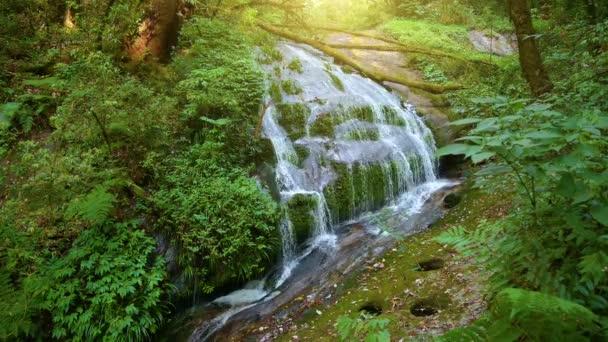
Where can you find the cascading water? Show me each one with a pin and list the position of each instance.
(359, 147)
(344, 147)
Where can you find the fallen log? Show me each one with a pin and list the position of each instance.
(344, 59)
(407, 50)
(401, 46)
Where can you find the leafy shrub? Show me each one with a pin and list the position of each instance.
(116, 112)
(518, 314)
(108, 286)
(220, 81)
(222, 224)
(555, 242)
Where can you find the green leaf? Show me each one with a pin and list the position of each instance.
(465, 121)
(545, 134)
(8, 110)
(600, 213)
(453, 149)
(218, 122)
(479, 157)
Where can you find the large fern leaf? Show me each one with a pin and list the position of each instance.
(96, 207)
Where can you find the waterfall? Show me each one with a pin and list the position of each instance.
(344, 146)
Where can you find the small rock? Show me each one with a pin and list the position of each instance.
(319, 312)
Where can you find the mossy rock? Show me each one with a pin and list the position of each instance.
(392, 117)
(363, 113)
(302, 152)
(371, 134)
(359, 188)
(292, 118)
(291, 87)
(301, 209)
(323, 126)
(265, 152)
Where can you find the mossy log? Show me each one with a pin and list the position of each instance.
(400, 45)
(409, 49)
(344, 59)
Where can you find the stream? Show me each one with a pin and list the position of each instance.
(355, 167)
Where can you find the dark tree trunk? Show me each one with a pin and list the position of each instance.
(529, 56)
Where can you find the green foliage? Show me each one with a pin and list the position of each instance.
(371, 328)
(220, 81)
(555, 242)
(117, 112)
(517, 314)
(109, 286)
(96, 207)
(15, 306)
(222, 224)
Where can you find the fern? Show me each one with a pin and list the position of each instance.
(96, 207)
(521, 315)
(15, 319)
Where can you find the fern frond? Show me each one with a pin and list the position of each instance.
(96, 207)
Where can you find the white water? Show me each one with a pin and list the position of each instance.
(393, 149)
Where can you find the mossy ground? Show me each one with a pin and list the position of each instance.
(394, 282)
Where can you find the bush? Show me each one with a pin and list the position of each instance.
(108, 286)
(222, 224)
(555, 243)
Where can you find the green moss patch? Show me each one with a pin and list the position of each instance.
(301, 213)
(293, 118)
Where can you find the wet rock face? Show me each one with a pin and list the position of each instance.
(497, 44)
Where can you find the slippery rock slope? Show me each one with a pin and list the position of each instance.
(344, 145)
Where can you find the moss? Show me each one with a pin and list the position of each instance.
(290, 87)
(392, 117)
(301, 208)
(359, 188)
(271, 55)
(293, 117)
(296, 66)
(275, 93)
(323, 126)
(371, 134)
(347, 69)
(277, 71)
(337, 82)
(302, 153)
(363, 113)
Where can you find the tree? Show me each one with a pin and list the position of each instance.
(157, 31)
(529, 55)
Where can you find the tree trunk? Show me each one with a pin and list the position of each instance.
(529, 56)
(157, 32)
